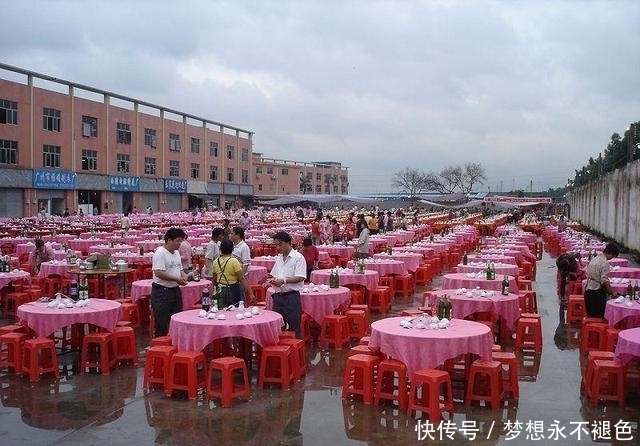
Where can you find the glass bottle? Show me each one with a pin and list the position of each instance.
(206, 299)
(465, 258)
(505, 286)
(83, 289)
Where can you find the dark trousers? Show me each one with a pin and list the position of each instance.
(165, 302)
(595, 301)
(289, 306)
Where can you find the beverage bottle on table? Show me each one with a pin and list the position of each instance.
(505, 286)
(73, 290)
(206, 299)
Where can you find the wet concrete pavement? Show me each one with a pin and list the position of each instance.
(92, 409)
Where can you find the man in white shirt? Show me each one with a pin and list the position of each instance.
(166, 298)
(362, 250)
(287, 279)
(212, 252)
(240, 248)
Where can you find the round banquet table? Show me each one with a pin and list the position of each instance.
(422, 349)
(369, 279)
(56, 267)
(615, 312)
(383, 266)
(133, 257)
(345, 252)
(618, 284)
(192, 333)
(321, 303)
(461, 280)
(191, 292)
(505, 307)
(7, 278)
(477, 267)
(411, 259)
(628, 346)
(44, 320)
(256, 274)
(625, 271)
(495, 258)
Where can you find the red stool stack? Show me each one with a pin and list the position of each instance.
(335, 330)
(228, 389)
(379, 299)
(97, 352)
(511, 362)
(607, 382)
(359, 376)
(275, 366)
(187, 371)
(11, 350)
(298, 356)
(488, 389)
(124, 340)
(358, 326)
(426, 394)
(529, 335)
(161, 340)
(576, 310)
(593, 336)
(39, 356)
(388, 370)
(156, 366)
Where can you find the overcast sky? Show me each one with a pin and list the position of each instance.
(528, 89)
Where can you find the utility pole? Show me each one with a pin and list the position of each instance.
(631, 142)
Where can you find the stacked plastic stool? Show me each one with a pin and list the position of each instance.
(228, 367)
(432, 393)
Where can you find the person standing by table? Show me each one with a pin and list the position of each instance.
(311, 255)
(362, 250)
(287, 279)
(212, 252)
(166, 298)
(598, 286)
(186, 252)
(227, 272)
(42, 253)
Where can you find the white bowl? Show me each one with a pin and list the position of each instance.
(222, 317)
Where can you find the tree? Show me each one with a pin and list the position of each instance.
(473, 174)
(410, 181)
(452, 179)
(329, 180)
(305, 183)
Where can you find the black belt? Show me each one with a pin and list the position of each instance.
(162, 286)
(285, 293)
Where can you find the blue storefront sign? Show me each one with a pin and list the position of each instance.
(175, 186)
(123, 183)
(53, 179)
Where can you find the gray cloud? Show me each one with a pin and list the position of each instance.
(528, 89)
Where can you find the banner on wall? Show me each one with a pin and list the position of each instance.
(53, 179)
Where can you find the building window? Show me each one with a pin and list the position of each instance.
(8, 152)
(245, 177)
(230, 174)
(123, 133)
(51, 119)
(245, 155)
(195, 145)
(195, 171)
(89, 159)
(230, 151)
(149, 166)
(89, 127)
(213, 149)
(122, 163)
(213, 173)
(174, 142)
(150, 138)
(174, 168)
(258, 169)
(309, 175)
(335, 189)
(284, 171)
(8, 112)
(269, 170)
(319, 176)
(319, 189)
(260, 187)
(50, 156)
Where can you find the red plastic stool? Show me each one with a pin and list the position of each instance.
(528, 302)
(228, 368)
(156, 366)
(98, 352)
(13, 301)
(390, 282)
(305, 322)
(426, 394)
(124, 342)
(357, 297)
(607, 382)
(298, 357)
(11, 350)
(388, 371)
(361, 350)
(335, 330)
(529, 335)
(13, 328)
(359, 376)
(496, 348)
(379, 299)
(259, 293)
(588, 373)
(358, 326)
(131, 313)
(576, 309)
(611, 339)
(275, 366)
(492, 389)
(39, 356)
(593, 336)
(422, 275)
(509, 361)
(187, 371)
(524, 284)
(161, 340)
(404, 288)
(365, 340)
(143, 309)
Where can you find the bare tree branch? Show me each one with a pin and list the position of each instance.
(410, 181)
(473, 174)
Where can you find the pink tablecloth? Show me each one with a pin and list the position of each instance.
(191, 292)
(501, 269)
(345, 252)
(106, 249)
(369, 279)
(266, 261)
(61, 268)
(256, 274)
(44, 320)
(383, 266)
(505, 307)
(495, 258)
(80, 244)
(625, 271)
(411, 259)
(461, 280)
(133, 257)
(192, 333)
(7, 278)
(421, 349)
(615, 312)
(319, 304)
(628, 346)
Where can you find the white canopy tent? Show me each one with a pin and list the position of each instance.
(291, 199)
